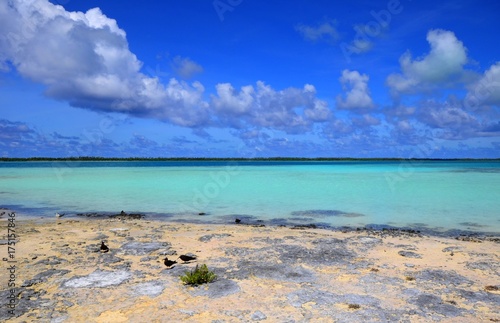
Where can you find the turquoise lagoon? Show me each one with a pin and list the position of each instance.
(437, 195)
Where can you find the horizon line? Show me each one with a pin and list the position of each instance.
(97, 158)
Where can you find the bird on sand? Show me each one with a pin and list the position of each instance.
(237, 221)
(169, 263)
(104, 248)
(186, 258)
(58, 215)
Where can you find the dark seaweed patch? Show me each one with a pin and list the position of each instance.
(472, 224)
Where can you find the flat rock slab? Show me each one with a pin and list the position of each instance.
(136, 248)
(51, 261)
(481, 297)
(324, 298)
(44, 276)
(258, 316)
(151, 289)
(109, 258)
(443, 277)
(208, 237)
(99, 279)
(217, 289)
(279, 272)
(428, 303)
(409, 254)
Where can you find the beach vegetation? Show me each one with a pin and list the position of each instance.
(199, 275)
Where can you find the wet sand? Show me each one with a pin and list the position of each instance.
(272, 274)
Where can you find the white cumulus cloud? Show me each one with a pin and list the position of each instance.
(325, 31)
(486, 90)
(290, 110)
(84, 58)
(442, 65)
(185, 67)
(357, 94)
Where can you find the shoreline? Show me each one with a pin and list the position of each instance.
(472, 231)
(268, 273)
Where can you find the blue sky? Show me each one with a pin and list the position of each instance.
(240, 78)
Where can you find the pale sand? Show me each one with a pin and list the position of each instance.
(273, 274)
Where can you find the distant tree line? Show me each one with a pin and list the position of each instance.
(93, 158)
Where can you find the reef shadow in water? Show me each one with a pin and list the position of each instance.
(472, 224)
(476, 170)
(325, 214)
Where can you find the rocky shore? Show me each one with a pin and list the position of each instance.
(273, 274)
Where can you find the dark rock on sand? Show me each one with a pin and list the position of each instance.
(444, 277)
(122, 215)
(217, 289)
(175, 271)
(325, 252)
(209, 237)
(324, 301)
(279, 272)
(319, 297)
(128, 216)
(431, 304)
(168, 252)
(480, 297)
(44, 276)
(304, 226)
(409, 254)
(258, 316)
(452, 249)
(148, 258)
(490, 266)
(364, 243)
(109, 259)
(51, 261)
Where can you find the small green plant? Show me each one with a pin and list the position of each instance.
(199, 275)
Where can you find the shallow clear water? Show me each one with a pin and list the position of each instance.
(440, 195)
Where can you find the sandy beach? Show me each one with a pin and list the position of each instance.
(272, 274)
